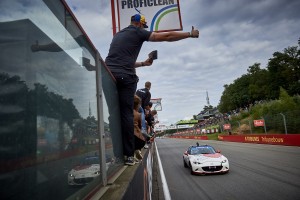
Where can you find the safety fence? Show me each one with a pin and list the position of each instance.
(285, 122)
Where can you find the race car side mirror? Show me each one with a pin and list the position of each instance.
(218, 151)
(185, 153)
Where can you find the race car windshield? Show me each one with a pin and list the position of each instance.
(202, 150)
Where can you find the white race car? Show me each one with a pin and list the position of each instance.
(87, 170)
(204, 159)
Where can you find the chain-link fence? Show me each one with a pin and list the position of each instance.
(285, 122)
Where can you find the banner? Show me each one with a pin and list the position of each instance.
(275, 139)
(260, 122)
(161, 15)
(226, 126)
(156, 104)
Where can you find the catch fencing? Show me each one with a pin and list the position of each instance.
(285, 122)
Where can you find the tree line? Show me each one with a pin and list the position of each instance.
(261, 84)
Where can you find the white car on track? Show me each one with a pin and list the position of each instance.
(204, 159)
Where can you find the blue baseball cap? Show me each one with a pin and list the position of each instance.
(139, 18)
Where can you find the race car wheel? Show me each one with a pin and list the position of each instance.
(184, 164)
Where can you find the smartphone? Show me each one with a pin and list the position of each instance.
(153, 55)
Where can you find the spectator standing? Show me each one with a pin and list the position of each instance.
(148, 108)
(121, 60)
(149, 117)
(139, 139)
(151, 121)
(145, 96)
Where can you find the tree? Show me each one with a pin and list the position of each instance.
(207, 108)
(259, 79)
(235, 95)
(225, 104)
(283, 70)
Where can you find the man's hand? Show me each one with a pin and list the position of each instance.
(148, 62)
(194, 33)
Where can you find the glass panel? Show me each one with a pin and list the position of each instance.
(49, 138)
(112, 122)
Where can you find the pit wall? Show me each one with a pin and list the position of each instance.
(140, 186)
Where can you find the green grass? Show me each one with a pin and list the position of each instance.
(213, 136)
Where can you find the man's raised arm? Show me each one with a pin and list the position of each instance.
(173, 35)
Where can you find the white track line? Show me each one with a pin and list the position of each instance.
(163, 178)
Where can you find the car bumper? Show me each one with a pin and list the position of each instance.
(79, 181)
(216, 169)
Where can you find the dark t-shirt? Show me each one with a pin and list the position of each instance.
(125, 48)
(145, 96)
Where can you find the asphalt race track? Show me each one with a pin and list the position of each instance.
(257, 171)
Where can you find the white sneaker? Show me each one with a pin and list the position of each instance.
(130, 161)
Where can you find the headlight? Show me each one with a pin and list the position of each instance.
(98, 172)
(71, 175)
(224, 161)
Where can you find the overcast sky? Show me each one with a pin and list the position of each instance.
(234, 34)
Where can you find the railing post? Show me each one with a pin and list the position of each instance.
(250, 126)
(284, 122)
(265, 125)
(100, 121)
